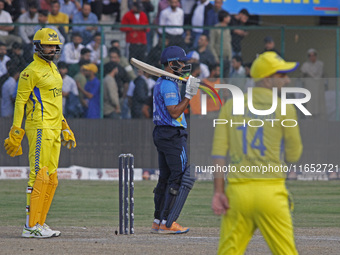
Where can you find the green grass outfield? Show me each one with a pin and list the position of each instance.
(95, 203)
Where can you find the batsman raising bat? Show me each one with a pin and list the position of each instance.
(256, 196)
(40, 91)
(170, 138)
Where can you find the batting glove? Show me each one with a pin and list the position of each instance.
(13, 141)
(192, 87)
(67, 136)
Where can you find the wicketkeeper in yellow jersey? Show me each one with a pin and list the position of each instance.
(40, 91)
(256, 199)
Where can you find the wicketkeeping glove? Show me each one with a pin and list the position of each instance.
(67, 136)
(192, 87)
(13, 141)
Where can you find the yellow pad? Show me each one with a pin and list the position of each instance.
(52, 186)
(38, 195)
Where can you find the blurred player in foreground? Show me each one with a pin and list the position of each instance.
(40, 91)
(256, 199)
(170, 138)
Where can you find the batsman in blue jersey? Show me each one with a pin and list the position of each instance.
(170, 138)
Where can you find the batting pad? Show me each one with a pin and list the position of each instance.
(38, 196)
(52, 186)
(186, 185)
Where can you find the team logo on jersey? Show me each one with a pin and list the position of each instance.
(25, 75)
(56, 92)
(53, 37)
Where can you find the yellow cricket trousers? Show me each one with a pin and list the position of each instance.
(257, 204)
(44, 150)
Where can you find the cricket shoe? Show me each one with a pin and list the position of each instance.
(174, 229)
(56, 232)
(37, 231)
(154, 228)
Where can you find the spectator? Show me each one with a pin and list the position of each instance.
(212, 16)
(27, 32)
(71, 50)
(312, 71)
(45, 5)
(148, 8)
(215, 42)
(91, 92)
(111, 11)
(140, 95)
(69, 7)
(195, 58)
(43, 20)
(8, 90)
(5, 17)
(312, 68)
(173, 16)
(238, 73)
(249, 81)
(162, 4)
(85, 55)
(155, 52)
(199, 17)
(96, 50)
(3, 58)
(85, 16)
(111, 97)
(71, 104)
(16, 56)
(238, 34)
(187, 7)
(206, 56)
(80, 80)
(136, 37)
(13, 7)
(114, 56)
(4, 77)
(269, 45)
(56, 17)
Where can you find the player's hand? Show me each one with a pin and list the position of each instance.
(13, 141)
(192, 87)
(67, 136)
(220, 203)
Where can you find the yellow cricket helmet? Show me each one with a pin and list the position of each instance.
(46, 36)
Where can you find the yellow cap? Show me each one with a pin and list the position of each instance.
(91, 67)
(269, 63)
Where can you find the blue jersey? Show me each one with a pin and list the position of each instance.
(166, 93)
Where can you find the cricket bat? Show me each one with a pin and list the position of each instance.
(159, 72)
(153, 70)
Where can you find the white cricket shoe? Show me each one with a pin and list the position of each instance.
(56, 232)
(37, 232)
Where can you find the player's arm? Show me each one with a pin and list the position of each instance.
(292, 138)
(176, 110)
(25, 87)
(220, 147)
(26, 83)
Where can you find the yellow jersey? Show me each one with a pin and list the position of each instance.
(40, 89)
(257, 147)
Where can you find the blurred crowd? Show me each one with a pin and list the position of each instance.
(127, 92)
